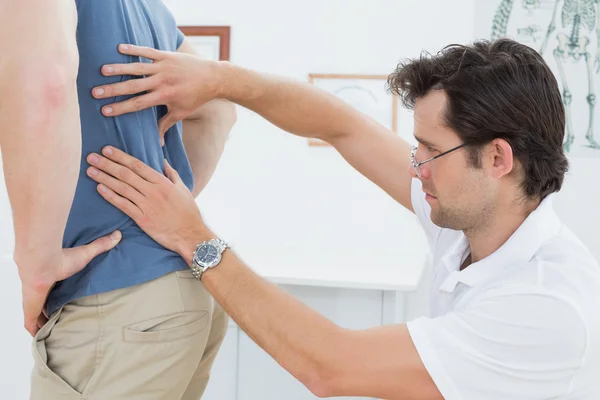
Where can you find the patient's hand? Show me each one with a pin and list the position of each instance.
(180, 81)
(39, 273)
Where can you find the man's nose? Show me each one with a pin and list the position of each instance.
(412, 172)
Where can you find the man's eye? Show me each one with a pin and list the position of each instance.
(430, 149)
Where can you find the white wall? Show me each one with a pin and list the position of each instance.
(15, 355)
(577, 204)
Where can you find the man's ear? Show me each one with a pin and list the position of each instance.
(501, 155)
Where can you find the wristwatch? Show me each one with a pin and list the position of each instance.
(207, 255)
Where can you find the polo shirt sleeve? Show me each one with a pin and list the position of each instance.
(164, 16)
(423, 213)
(512, 343)
(180, 37)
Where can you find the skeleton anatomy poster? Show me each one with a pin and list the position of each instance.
(567, 34)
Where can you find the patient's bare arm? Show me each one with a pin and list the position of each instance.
(40, 138)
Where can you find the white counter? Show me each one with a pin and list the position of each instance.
(375, 270)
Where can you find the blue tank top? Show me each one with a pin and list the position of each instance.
(102, 26)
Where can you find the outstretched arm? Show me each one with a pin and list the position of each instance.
(184, 83)
(308, 111)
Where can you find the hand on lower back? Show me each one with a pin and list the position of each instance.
(39, 275)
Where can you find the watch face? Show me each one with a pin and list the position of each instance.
(207, 255)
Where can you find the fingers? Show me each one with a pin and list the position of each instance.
(134, 104)
(165, 123)
(33, 302)
(41, 321)
(140, 51)
(174, 177)
(120, 187)
(125, 168)
(136, 69)
(83, 255)
(171, 173)
(106, 243)
(31, 327)
(77, 258)
(132, 86)
(94, 249)
(130, 209)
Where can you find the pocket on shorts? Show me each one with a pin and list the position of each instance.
(167, 328)
(43, 378)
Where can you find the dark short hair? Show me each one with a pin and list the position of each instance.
(496, 89)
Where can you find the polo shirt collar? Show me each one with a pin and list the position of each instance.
(541, 225)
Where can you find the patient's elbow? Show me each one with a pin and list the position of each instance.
(219, 112)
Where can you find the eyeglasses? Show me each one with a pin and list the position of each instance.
(416, 165)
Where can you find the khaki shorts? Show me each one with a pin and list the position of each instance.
(157, 340)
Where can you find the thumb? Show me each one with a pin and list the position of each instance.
(164, 124)
(172, 174)
(77, 258)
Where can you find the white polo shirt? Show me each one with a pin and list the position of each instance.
(523, 323)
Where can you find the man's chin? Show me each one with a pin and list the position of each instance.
(445, 220)
(438, 218)
(435, 220)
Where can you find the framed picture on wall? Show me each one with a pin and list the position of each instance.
(367, 93)
(212, 42)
